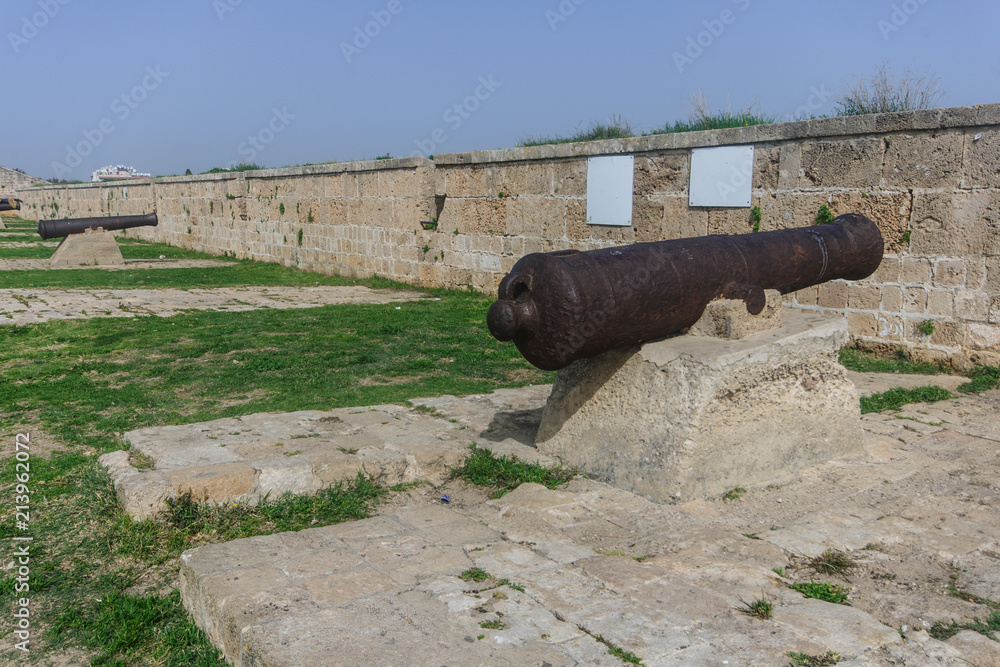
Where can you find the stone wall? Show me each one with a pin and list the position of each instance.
(930, 179)
(12, 180)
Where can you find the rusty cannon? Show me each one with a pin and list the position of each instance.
(10, 204)
(562, 306)
(55, 229)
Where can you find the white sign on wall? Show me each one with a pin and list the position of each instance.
(721, 176)
(609, 190)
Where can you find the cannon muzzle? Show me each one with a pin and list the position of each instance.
(10, 204)
(54, 229)
(562, 306)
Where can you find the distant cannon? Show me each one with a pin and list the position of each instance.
(562, 306)
(55, 229)
(10, 204)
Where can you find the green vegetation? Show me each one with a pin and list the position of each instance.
(758, 608)
(833, 562)
(926, 327)
(290, 512)
(943, 631)
(82, 382)
(476, 574)
(618, 652)
(822, 591)
(243, 166)
(898, 397)
(982, 378)
(824, 215)
(805, 660)
(733, 494)
(717, 121)
(495, 624)
(615, 128)
(504, 474)
(887, 93)
(863, 361)
(755, 218)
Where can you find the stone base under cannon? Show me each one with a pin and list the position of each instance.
(93, 248)
(694, 417)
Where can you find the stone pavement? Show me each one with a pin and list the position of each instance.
(30, 306)
(246, 458)
(587, 567)
(130, 264)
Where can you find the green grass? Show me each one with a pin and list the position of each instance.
(476, 574)
(822, 591)
(898, 397)
(982, 378)
(717, 121)
(615, 128)
(82, 382)
(128, 629)
(627, 657)
(290, 512)
(806, 660)
(733, 494)
(243, 166)
(986, 627)
(863, 361)
(833, 562)
(758, 608)
(504, 474)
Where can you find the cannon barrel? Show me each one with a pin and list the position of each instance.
(54, 229)
(10, 204)
(562, 306)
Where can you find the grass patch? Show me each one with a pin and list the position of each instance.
(982, 378)
(195, 522)
(476, 574)
(806, 660)
(733, 494)
(126, 629)
(833, 562)
(617, 651)
(717, 121)
(822, 591)
(758, 608)
(615, 128)
(495, 624)
(863, 361)
(898, 397)
(504, 474)
(991, 625)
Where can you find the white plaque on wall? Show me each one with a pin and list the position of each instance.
(609, 190)
(721, 176)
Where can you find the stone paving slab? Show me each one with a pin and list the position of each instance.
(30, 306)
(130, 264)
(599, 566)
(245, 458)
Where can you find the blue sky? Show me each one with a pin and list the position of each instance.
(193, 84)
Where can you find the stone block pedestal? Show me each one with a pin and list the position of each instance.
(693, 417)
(92, 248)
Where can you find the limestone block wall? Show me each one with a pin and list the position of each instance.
(930, 179)
(12, 180)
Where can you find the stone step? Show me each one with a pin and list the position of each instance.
(243, 459)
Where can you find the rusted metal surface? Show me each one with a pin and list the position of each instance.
(54, 229)
(562, 306)
(10, 204)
